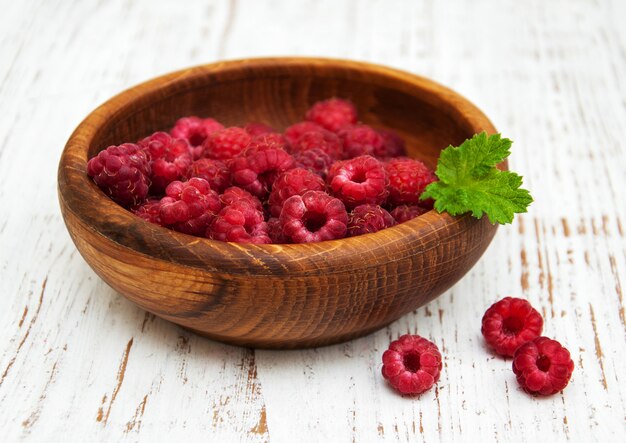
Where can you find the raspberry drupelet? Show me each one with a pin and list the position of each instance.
(256, 170)
(405, 213)
(542, 366)
(189, 207)
(412, 364)
(261, 142)
(235, 193)
(332, 114)
(315, 160)
(169, 158)
(312, 217)
(360, 140)
(149, 211)
(324, 140)
(195, 130)
(214, 171)
(275, 231)
(122, 172)
(226, 144)
(359, 181)
(293, 182)
(365, 219)
(509, 323)
(393, 146)
(295, 131)
(239, 222)
(407, 180)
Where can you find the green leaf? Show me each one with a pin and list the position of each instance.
(470, 182)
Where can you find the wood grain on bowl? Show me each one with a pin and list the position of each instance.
(275, 296)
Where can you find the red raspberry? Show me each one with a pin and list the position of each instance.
(295, 131)
(149, 211)
(360, 140)
(213, 171)
(324, 140)
(315, 160)
(234, 194)
(360, 180)
(312, 217)
(407, 180)
(255, 128)
(509, 323)
(412, 364)
(405, 213)
(239, 222)
(333, 114)
(293, 182)
(542, 366)
(365, 219)
(169, 157)
(189, 207)
(266, 141)
(225, 144)
(394, 145)
(258, 168)
(122, 172)
(334, 169)
(275, 231)
(195, 130)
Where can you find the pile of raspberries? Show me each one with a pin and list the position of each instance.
(327, 177)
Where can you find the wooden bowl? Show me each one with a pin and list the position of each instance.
(274, 296)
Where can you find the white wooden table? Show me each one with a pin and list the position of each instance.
(78, 362)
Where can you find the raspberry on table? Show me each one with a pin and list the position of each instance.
(366, 219)
(332, 114)
(412, 364)
(360, 180)
(226, 144)
(169, 157)
(393, 146)
(293, 132)
(122, 172)
(293, 182)
(315, 160)
(312, 217)
(407, 180)
(256, 170)
(405, 213)
(214, 171)
(542, 366)
(190, 206)
(149, 211)
(239, 222)
(195, 130)
(509, 323)
(235, 193)
(256, 128)
(360, 140)
(322, 139)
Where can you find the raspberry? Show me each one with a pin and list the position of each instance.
(234, 194)
(360, 180)
(332, 114)
(360, 140)
(266, 141)
(239, 222)
(258, 168)
(213, 171)
(315, 160)
(412, 364)
(393, 146)
(255, 128)
(334, 169)
(293, 132)
(542, 366)
(195, 130)
(293, 182)
(122, 172)
(275, 231)
(407, 180)
(404, 213)
(324, 140)
(189, 207)
(312, 217)
(149, 211)
(509, 323)
(169, 157)
(225, 144)
(365, 219)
